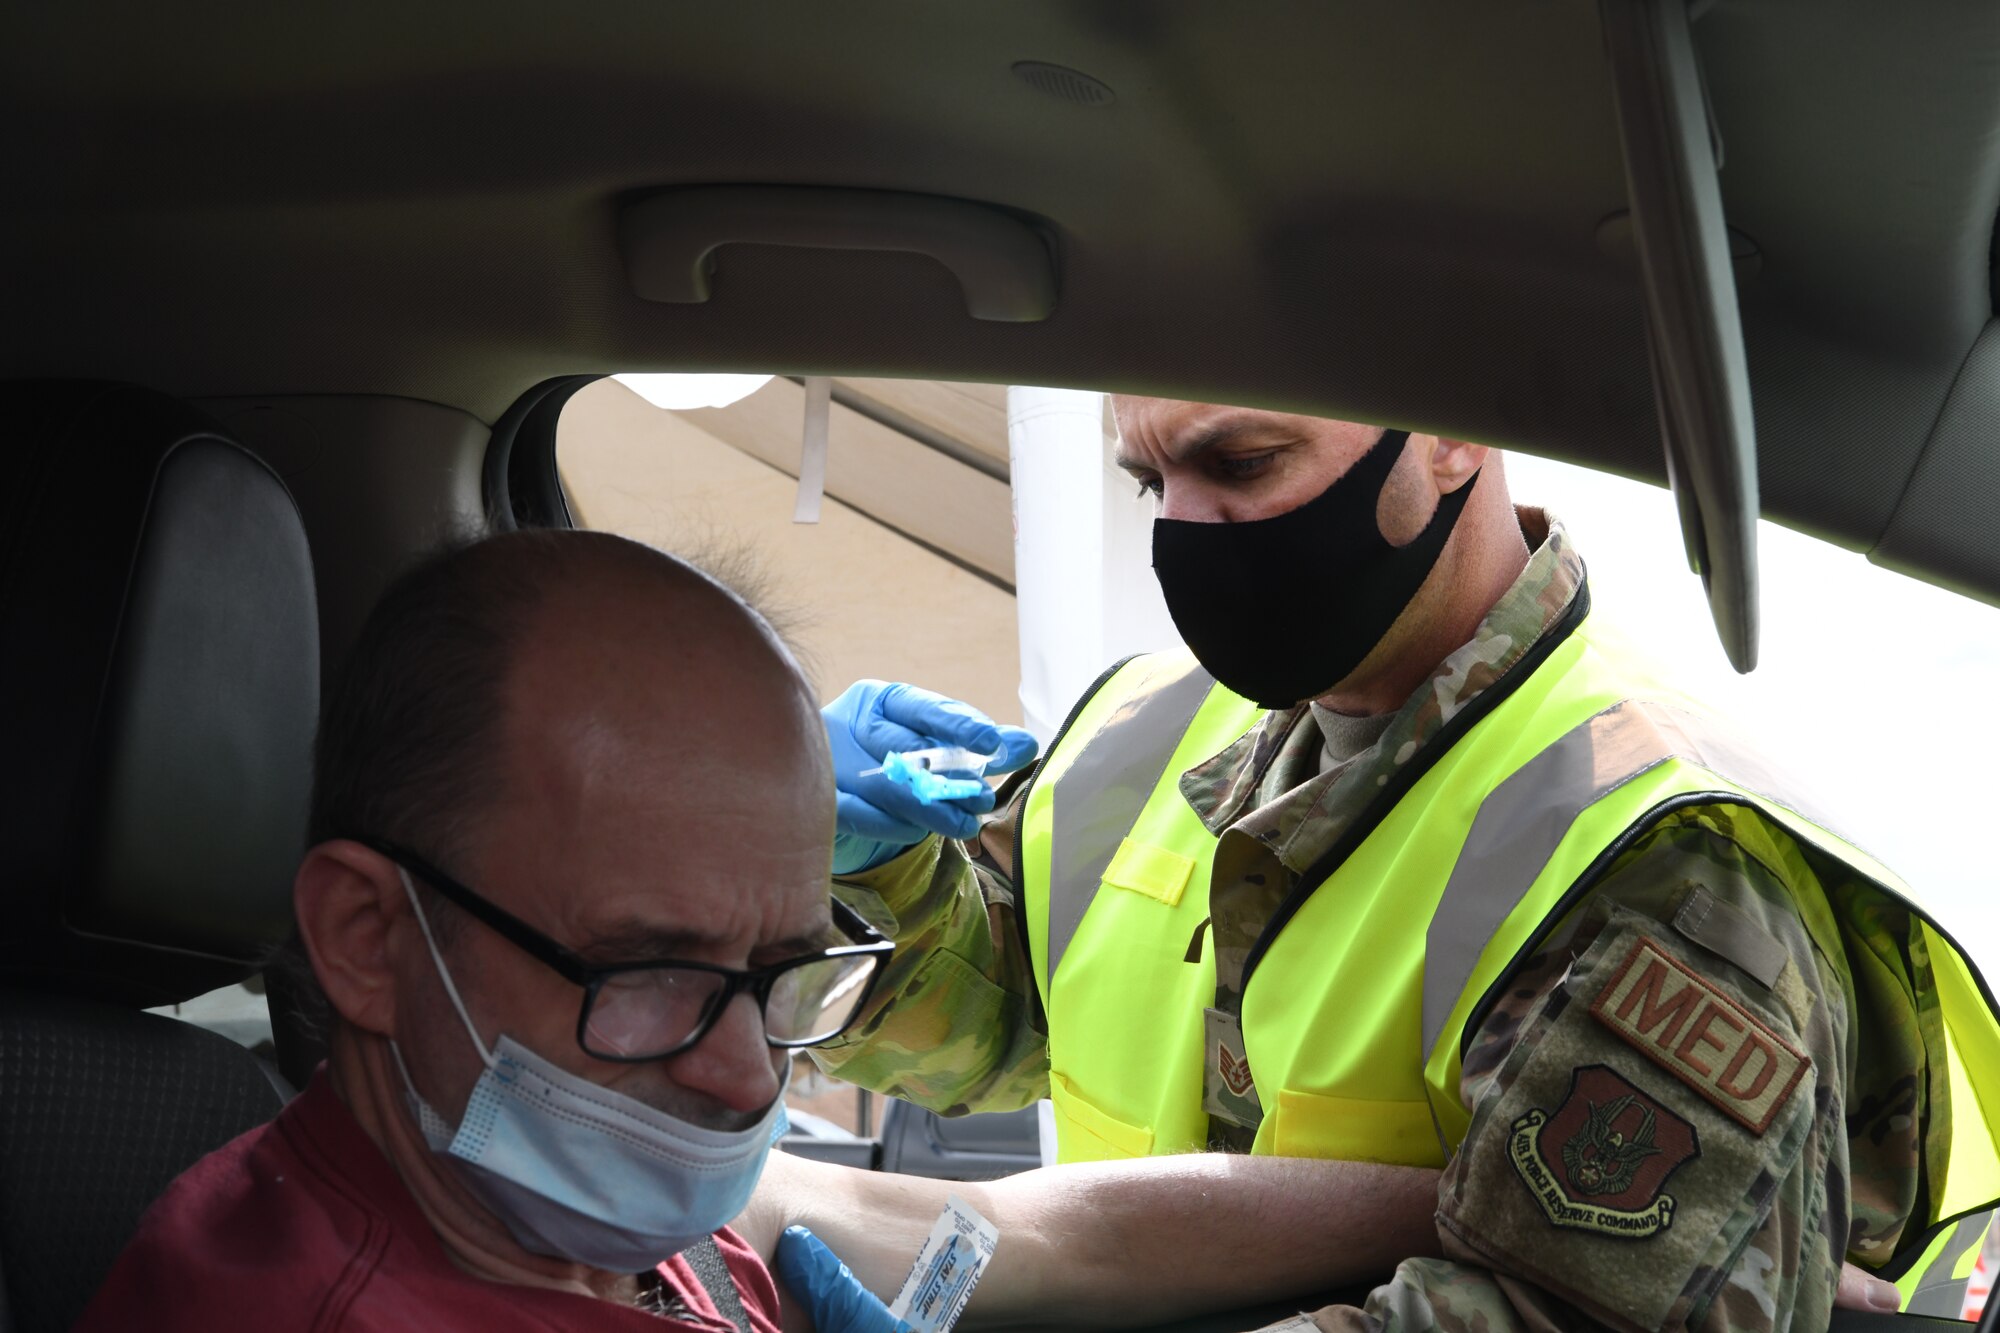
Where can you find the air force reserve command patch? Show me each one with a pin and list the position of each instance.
(1600, 1161)
(1687, 1026)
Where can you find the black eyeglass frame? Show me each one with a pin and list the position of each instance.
(565, 962)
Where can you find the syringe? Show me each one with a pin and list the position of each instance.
(941, 773)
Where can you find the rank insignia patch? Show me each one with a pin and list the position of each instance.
(1599, 1162)
(1228, 1090)
(1685, 1024)
(1234, 1070)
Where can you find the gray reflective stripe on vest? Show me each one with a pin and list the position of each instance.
(1938, 1293)
(1098, 798)
(1523, 820)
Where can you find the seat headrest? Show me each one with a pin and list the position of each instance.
(159, 686)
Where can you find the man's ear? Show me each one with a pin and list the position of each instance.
(1454, 461)
(347, 899)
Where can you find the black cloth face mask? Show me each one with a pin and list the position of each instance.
(1282, 609)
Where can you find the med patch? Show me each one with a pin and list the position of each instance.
(1600, 1160)
(1589, 1172)
(1685, 1024)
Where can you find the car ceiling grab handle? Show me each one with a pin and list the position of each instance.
(1694, 331)
(1002, 263)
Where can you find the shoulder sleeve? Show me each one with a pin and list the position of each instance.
(953, 1025)
(1658, 1137)
(252, 1206)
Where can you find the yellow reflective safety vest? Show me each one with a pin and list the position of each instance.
(1358, 997)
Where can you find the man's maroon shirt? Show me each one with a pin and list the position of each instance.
(303, 1224)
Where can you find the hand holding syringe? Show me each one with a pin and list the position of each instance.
(907, 764)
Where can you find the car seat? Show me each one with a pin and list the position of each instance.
(159, 685)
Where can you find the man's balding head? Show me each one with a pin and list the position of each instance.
(410, 746)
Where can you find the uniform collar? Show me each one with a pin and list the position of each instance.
(1266, 783)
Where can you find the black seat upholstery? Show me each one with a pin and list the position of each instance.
(159, 684)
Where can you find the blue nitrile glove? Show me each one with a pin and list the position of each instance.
(831, 1293)
(878, 817)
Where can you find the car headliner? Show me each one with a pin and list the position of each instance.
(1405, 213)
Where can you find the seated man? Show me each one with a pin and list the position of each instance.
(567, 897)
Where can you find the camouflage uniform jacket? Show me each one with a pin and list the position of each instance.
(1552, 1210)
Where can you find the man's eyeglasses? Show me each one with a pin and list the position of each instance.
(633, 1012)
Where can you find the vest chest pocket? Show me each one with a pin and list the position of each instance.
(1310, 1124)
(1150, 871)
(1088, 1134)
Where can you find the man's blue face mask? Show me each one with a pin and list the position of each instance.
(577, 1171)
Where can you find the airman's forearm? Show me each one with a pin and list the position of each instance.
(1111, 1244)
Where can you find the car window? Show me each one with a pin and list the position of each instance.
(1870, 688)
(1870, 685)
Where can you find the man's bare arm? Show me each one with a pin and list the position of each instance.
(1121, 1243)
